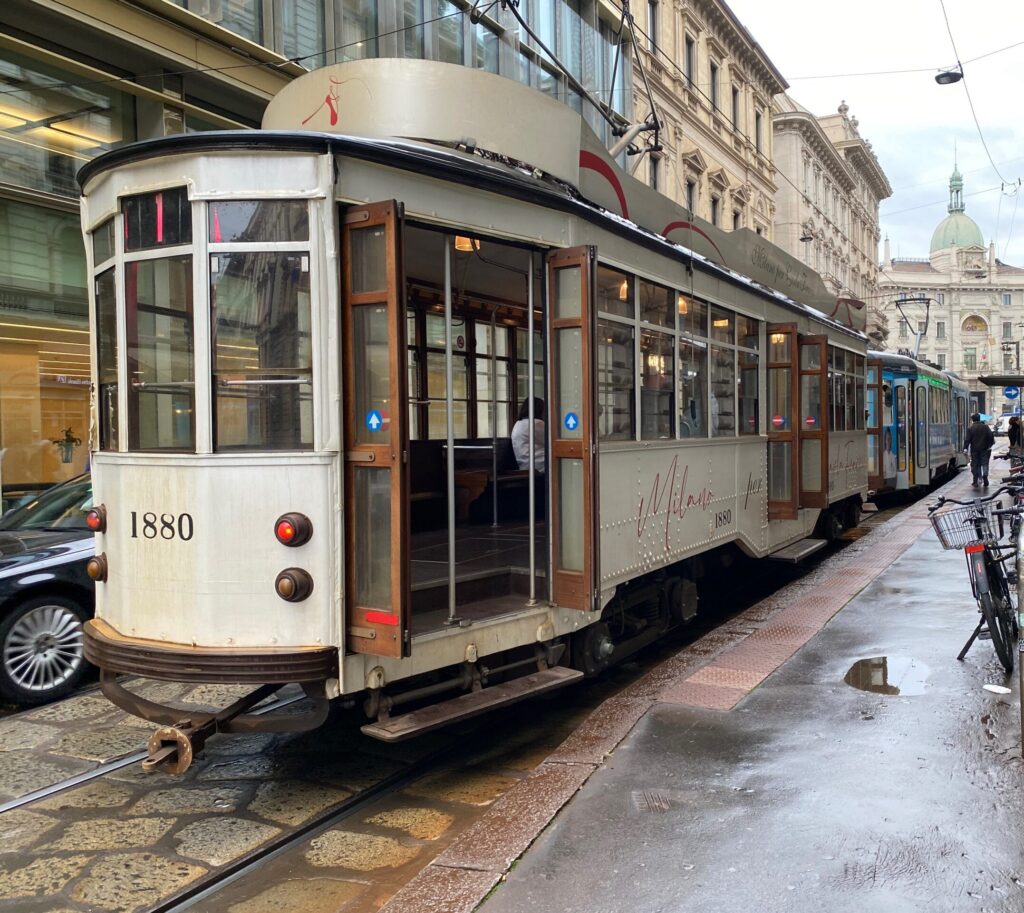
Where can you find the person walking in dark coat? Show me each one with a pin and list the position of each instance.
(1013, 433)
(979, 443)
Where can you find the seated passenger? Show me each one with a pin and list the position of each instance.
(521, 435)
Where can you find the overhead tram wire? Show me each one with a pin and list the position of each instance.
(967, 92)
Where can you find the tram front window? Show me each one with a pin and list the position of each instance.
(262, 351)
(161, 357)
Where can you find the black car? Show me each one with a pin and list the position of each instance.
(45, 594)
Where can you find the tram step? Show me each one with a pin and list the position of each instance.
(467, 705)
(798, 550)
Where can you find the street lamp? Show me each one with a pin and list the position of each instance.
(948, 77)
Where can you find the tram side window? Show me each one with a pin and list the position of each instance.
(615, 379)
(252, 221)
(161, 362)
(693, 388)
(158, 219)
(106, 359)
(437, 415)
(657, 411)
(749, 337)
(262, 350)
(846, 390)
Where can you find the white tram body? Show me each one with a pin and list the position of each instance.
(336, 318)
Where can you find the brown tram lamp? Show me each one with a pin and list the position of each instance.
(293, 584)
(96, 568)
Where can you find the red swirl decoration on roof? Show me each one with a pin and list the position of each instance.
(672, 226)
(598, 164)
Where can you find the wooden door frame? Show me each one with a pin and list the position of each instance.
(786, 510)
(817, 499)
(877, 480)
(570, 588)
(373, 630)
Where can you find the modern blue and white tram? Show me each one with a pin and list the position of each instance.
(917, 420)
(322, 453)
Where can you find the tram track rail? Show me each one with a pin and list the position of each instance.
(113, 765)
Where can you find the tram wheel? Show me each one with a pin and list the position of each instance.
(593, 648)
(41, 650)
(831, 525)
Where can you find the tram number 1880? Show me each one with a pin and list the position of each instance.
(164, 526)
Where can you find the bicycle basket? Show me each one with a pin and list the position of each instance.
(958, 527)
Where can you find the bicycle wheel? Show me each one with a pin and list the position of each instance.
(994, 614)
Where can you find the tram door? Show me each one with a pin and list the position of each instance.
(814, 410)
(571, 281)
(903, 422)
(873, 424)
(783, 426)
(376, 434)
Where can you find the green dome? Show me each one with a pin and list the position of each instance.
(957, 228)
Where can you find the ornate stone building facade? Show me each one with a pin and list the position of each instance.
(830, 186)
(713, 86)
(967, 306)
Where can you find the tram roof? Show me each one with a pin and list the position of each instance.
(427, 158)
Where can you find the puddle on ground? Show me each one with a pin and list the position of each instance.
(888, 675)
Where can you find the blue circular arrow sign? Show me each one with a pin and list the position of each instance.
(572, 421)
(374, 420)
(1011, 392)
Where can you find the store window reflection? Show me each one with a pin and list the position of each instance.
(50, 126)
(44, 349)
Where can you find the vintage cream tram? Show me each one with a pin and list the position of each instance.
(416, 395)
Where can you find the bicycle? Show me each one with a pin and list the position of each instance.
(972, 526)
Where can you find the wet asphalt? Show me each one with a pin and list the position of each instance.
(871, 772)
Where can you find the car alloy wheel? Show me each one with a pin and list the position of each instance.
(42, 649)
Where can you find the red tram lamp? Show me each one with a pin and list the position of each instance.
(293, 584)
(96, 568)
(293, 529)
(96, 519)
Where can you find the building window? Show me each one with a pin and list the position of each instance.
(1006, 299)
(714, 210)
(970, 358)
(691, 58)
(904, 329)
(940, 329)
(652, 25)
(299, 27)
(940, 359)
(737, 219)
(691, 194)
(758, 119)
(1007, 329)
(940, 298)
(735, 108)
(714, 85)
(356, 24)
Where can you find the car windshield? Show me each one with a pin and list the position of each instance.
(61, 507)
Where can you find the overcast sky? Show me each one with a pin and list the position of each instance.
(911, 121)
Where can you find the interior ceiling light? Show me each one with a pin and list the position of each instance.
(466, 244)
(624, 290)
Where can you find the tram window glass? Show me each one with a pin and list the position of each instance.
(415, 395)
(158, 313)
(810, 400)
(656, 384)
(693, 316)
(437, 416)
(779, 348)
(615, 380)
(435, 332)
(747, 390)
(921, 425)
(262, 351)
(780, 398)
(247, 221)
(614, 292)
(748, 331)
(103, 242)
(693, 388)
(723, 326)
(106, 358)
(569, 389)
(656, 305)
(369, 260)
(810, 358)
(523, 363)
(500, 399)
(158, 219)
(723, 391)
(372, 496)
(356, 24)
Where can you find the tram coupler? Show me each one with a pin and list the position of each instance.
(172, 748)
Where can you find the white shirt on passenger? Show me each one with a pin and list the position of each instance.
(521, 443)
